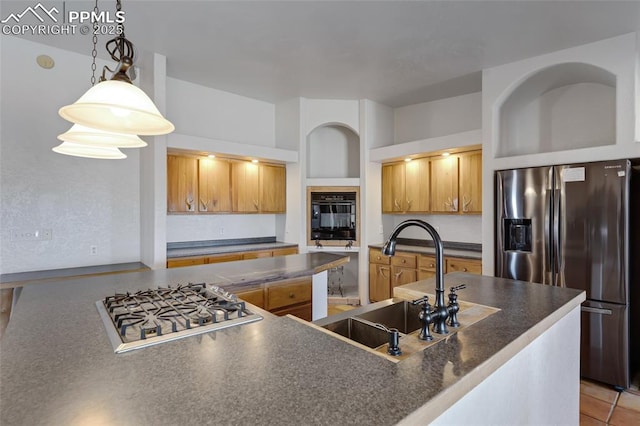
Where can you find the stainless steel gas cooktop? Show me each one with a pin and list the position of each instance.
(150, 317)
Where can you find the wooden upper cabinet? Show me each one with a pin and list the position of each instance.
(444, 184)
(245, 189)
(393, 190)
(417, 185)
(182, 184)
(470, 165)
(258, 188)
(405, 187)
(214, 185)
(273, 189)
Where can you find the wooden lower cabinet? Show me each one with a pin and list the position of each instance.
(386, 272)
(185, 261)
(290, 297)
(221, 258)
(379, 282)
(470, 266)
(229, 257)
(283, 297)
(426, 267)
(255, 297)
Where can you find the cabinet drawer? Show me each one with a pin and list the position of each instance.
(255, 297)
(298, 291)
(404, 260)
(285, 251)
(376, 256)
(219, 258)
(427, 263)
(464, 265)
(257, 254)
(187, 261)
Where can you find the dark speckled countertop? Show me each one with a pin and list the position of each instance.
(210, 247)
(276, 371)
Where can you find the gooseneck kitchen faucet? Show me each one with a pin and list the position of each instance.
(438, 316)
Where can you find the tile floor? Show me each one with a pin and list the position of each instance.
(601, 405)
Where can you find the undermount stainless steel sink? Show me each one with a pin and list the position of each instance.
(359, 331)
(402, 316)
(370, 326)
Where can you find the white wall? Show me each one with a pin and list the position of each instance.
(84, 202)
(333, 152)
(210, 113)
(438, 118)
(458, 228)
(616, 55)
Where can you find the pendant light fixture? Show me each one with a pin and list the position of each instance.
(116, 105)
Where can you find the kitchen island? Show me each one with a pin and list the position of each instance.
(57, 366)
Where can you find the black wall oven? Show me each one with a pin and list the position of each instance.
(333, 216)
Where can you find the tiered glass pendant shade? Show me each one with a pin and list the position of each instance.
(77, 150)
(118, 107)
(83, 135)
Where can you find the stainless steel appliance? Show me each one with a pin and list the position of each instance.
(569, 226)
(333, 216)
(149, 317)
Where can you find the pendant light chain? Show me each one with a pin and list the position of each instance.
(94, 52)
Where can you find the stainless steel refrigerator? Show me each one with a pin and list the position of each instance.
(570, 226)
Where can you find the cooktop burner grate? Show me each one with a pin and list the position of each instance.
(149, 317)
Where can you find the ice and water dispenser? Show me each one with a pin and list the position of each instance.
(517, 235)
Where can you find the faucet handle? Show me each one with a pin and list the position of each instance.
(424, 300)
(458, 287)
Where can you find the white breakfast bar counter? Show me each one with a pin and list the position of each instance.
(57, 366)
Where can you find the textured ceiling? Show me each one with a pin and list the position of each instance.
(393, 52)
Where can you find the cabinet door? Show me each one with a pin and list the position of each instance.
(444, 184)
(470, 165)
(393, 188)
(379, 282)
(402, 276)
(182, 184)
(245, 191)
(416, 199)
(273, 189)
(214, 185)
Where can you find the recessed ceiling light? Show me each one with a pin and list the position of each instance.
(446, 154)
(254, 161)
(211, 156)
(45, 61)
(407, 159)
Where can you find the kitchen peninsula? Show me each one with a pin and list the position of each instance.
(58, 367)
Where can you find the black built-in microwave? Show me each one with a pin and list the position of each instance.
(333, 216)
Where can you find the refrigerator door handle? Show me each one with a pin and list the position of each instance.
(548, 272)
(596, 310)
(558, 279)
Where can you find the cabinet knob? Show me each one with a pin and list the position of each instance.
(291, 295)
(464, 269)
(404, 260)
(431, 265)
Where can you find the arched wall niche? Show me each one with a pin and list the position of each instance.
(562, 107)
(333, 151)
